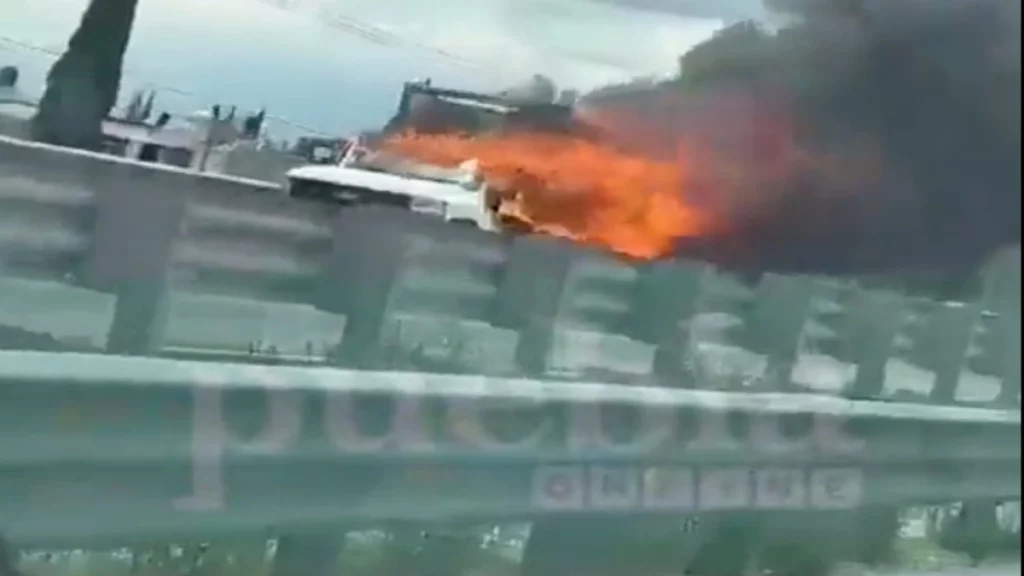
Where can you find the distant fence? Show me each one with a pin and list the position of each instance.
(512, 366)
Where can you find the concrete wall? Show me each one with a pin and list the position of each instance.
(116, 226)
(241, 159)
(15, 127)
(77, 228)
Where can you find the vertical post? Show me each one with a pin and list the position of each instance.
(208, 138)
(368, 251)
(1010, 357)
(530, 295)
(767, 320)
(779, 316)
(934, 336)
(952, 327)
(857, 327)
(140, 211)
(875, 321)
(995, 352)
(530, 299)
(1003, 296)
(663, 308)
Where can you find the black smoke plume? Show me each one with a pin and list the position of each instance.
(918, 99)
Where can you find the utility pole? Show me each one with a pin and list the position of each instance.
(208, 138)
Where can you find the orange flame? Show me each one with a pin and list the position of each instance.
(728, 176)
(566, 186)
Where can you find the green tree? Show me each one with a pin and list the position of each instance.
(82, 86)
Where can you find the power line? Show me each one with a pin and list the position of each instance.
(336, 20)
(375, 34)
(53, 54)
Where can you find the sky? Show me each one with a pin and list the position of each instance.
(336, 66)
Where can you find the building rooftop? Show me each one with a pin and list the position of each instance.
(11, 94)
(16, 109)
(168, 137)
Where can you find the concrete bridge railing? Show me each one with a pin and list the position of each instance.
(200, 354)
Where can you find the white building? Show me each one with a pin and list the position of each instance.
(198, 141)
(169, 144)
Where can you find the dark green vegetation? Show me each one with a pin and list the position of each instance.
(82, 86)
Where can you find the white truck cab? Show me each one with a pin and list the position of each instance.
(458, 196)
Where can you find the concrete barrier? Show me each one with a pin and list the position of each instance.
(155, 236)
(895, 401)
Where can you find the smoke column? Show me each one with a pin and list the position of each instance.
(914, 105)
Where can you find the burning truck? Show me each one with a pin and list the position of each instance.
(861, 139)
(374, 169)
(734, 185)
(891, 156)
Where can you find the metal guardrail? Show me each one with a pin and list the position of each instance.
(493, 351)
(160, 447)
